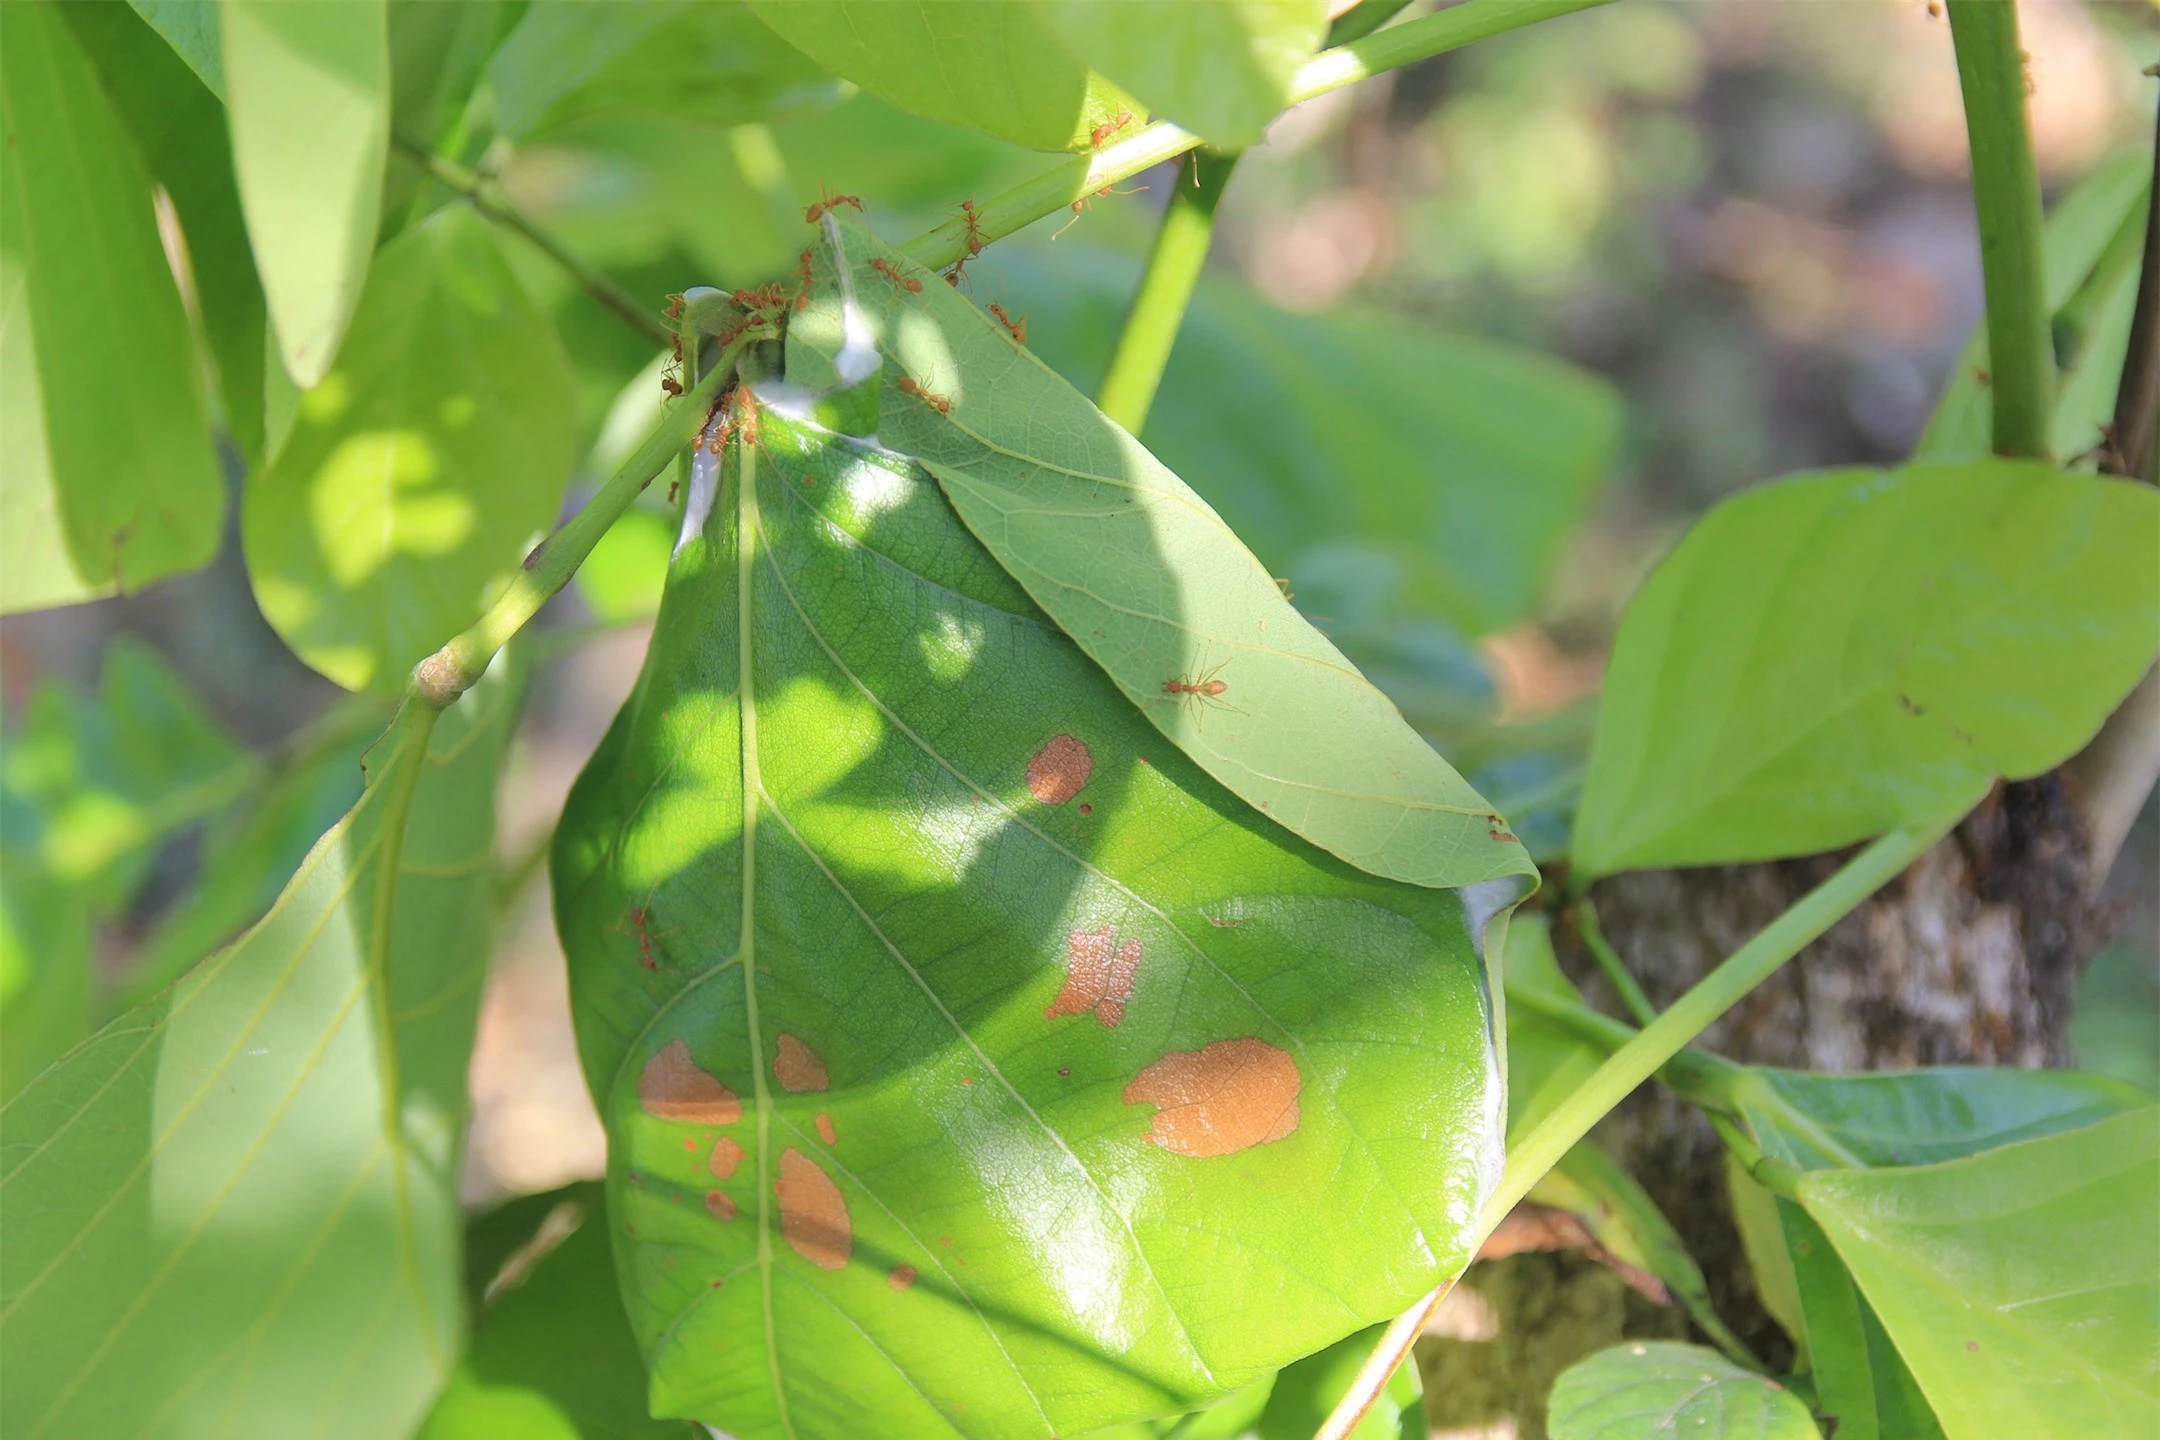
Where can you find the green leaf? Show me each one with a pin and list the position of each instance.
(308, 88)
(991, 65)
(190, 27)
(1545, 1063)
(179, 126)
(423, 467)
(1151, 583)
(1442, 471)
(437, 51)
(1220, 68)
(79, 520)
(1829, 656)
(236, 1207)
(551, 1351)
(248, 856)
(1627, 1224)
(577, 63)
(1662, 1390)
(1762, 1240)
(2019, 1284)
(88, 784)
(2078, 231)
(1916, 1117)
(1860, 1381)
(1306, 1393)
(978, 919)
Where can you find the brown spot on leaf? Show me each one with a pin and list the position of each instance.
(722, 1208)
(1059, 769)
(1099, 975)
(813, 1215)
(1086, 809)
(797, 1066)
(1219, 1099)
(726, 1155)
(672, 1087)
(901, 1277)
(824, 1128)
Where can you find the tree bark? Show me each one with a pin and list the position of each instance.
(1968, 958)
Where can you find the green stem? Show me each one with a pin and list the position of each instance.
(477, 193)
(1695, 1011)
(1362, 19)
(1637, 1060)
(1070, 182)
(2130, 447)
(1158, 307)
(458, 666)
(1584, 914)
(2006, 196)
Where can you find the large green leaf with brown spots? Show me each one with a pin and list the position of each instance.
(973, 1063)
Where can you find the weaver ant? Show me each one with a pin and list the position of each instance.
(1086, 200)
(1108, 128)
(939, 403)
(1204, 691)
(892, 273)
(974, 236)
(674, 307)
(831, 202)
(640, 926)
(1015, 328)
(802, 293)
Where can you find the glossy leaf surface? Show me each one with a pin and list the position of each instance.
(422, 468)
(1220, 68)
(1832, 655)
(2019, 1284)
(237, 1205)
(992, 65)
(551, 1355)
(574, 62)
(1151, 583)
(73, 522)
(308, 90)
(990, 1055)
(1860, 1380)
(1661, 1390)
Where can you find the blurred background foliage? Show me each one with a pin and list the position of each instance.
(1477, 339)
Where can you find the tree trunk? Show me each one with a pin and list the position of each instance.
(1967, 958)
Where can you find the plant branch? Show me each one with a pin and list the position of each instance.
(458, 666)
(1636, 1061)
(478, 193)
(2130, 449)
(1361, 20)
(1584, 913)
(2006, 196)
(1071, 182)
(1166, 289)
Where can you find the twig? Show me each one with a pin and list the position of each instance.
(1584, 913)
(476, 191)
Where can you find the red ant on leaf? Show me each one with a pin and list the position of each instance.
(892, 273)
(939, 403)
(802, 293)
(674, 307)
(831, 202)
(1108, 128)
(1015, 328)
(641, 926)
(1203, 692)
(973, 238)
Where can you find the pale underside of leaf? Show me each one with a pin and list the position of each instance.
(1148, 580)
